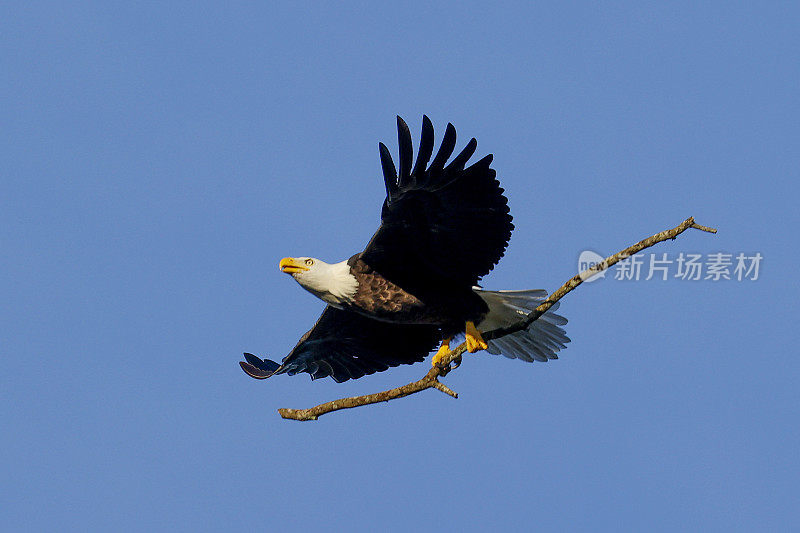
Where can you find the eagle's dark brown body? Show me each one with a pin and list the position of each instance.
(444, 306)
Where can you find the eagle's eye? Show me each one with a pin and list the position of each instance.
(309, 262)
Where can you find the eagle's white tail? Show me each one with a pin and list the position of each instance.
(539, 342)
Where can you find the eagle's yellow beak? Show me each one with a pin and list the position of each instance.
(290, 265)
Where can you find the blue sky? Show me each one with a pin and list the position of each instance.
(158, 160)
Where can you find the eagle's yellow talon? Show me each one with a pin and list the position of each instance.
(474, 340)
(443, 350)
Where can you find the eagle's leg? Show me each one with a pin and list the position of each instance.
(443, 350)
(474, 340)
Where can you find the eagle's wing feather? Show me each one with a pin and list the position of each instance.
(346, 345)
(440, 225)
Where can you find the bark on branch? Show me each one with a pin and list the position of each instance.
(431, 379)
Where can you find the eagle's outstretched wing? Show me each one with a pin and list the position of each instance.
(440, 225)
(346, 345)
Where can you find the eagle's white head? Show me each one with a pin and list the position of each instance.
(333, 283)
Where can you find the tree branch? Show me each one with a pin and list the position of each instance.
(431, 379)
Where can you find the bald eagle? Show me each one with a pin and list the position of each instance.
(414, 287)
